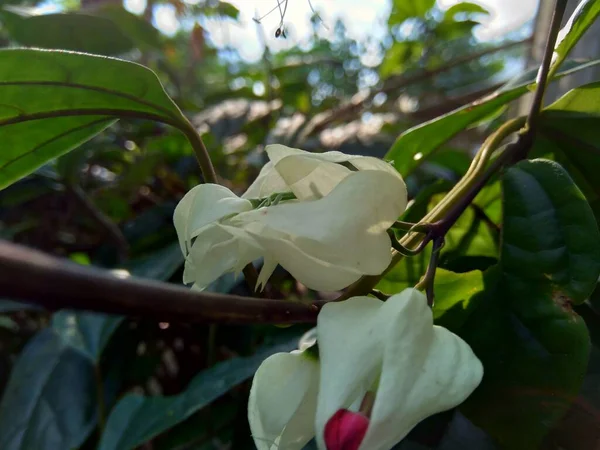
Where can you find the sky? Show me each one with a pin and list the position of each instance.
(360, 16)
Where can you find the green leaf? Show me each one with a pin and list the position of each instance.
(54, 101)
(136, 418)
(584, 15)
(160, 265)
(533, 346)
(555, 251)
(68, 31)
(87, 332)
(50, 400)
(464, 8)
(414, 9)
(415, 145)
(399, 57)
(140, 32)
(569, 133)
(470, 242)
(456, 297)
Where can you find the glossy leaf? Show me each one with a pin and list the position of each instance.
(415, 145)
(136, 418)
(534, 347)
(50, 400)
(584, 15)
(68, 31)
(456, 297)
(569, 133)
(54, 101)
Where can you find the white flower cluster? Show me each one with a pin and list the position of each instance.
(381, 367)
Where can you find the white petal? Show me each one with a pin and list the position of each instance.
(202, 205)
(277, 152)
(335, 238)
(424, 369)
(218, 250)
(312, 272)
(310, 178)
(314, 175)
(309, 175)
(350, 354)
(282, 403)
(269, 181)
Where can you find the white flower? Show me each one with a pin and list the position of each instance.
(393, 350)
(329, 237)
(283, 401)
(388, 353)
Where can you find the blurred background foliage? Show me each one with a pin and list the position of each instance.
(110, 203)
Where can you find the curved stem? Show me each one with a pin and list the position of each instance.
(206, 166)
(466, 188)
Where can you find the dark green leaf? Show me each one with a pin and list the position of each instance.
(50, 400)
(569, 133)
(69, 31)
(7, 306)
(578, 23)
(551, 239)
(140, 32)
(533, 346)
(54, 101)
(160, 265)
(87, 332)
(413, 146)
(136, 419)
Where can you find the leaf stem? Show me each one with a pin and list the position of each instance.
(204, 161)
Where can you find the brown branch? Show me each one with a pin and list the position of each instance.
(351, 108)
(34, 277)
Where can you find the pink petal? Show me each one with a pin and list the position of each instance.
(345, 430)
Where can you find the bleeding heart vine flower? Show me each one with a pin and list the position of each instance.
(334, 232)
(383, 367)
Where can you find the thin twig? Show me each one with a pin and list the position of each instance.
(542, 77)
(107, 225)
(34, 277)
